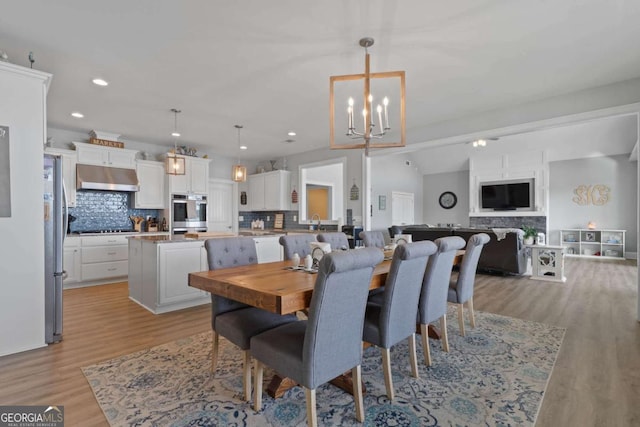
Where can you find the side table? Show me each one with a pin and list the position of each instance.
(547, 263)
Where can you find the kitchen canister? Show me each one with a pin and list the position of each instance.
(295, 260)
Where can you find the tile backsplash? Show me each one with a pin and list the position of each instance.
(109, 210)
(269, 218)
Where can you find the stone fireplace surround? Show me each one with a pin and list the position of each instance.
(537, 222)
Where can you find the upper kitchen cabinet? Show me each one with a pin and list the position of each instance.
(269, 191)
(195, 178)
(69, 160)
(91, 154)
(151, 179)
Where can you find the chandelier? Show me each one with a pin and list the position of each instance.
(376, 130)
(239, 171)
(174, 165)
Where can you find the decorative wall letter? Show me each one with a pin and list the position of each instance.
(597, 195)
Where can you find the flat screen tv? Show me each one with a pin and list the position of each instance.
(503, 197)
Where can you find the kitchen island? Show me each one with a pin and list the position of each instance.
(159, 267)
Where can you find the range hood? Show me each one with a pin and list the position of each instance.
(90, 177)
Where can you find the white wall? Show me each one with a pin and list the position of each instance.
(22, 108)
(617, 173)
(434, 185)
(392, 173)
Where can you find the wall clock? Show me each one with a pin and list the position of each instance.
(448, 200)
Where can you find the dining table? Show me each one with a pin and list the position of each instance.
(280, 287)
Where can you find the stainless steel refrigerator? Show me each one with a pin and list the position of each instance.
(55, 217)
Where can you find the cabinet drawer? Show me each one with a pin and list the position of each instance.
(103, 240)
(71, 242)
(104, 254)
(104, 270)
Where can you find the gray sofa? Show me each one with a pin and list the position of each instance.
(506, 256)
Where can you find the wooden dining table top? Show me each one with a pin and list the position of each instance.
(272, 286)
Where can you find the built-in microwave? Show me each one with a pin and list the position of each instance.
(189, 213)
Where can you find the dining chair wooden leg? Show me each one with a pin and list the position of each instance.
(312, 419)
(444, 337)
(246, 376)
(356, 376)
(386, 368)
(214, 352)
(424, 331)
(472, 317)
(461, 318)
(412, 356)
(258, 368)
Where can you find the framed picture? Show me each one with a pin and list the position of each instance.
(382, 203)
(589, 236)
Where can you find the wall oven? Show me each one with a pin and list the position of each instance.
(189, 213)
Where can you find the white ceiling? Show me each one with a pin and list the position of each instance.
(266, 65)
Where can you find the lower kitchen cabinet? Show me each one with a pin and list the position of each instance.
(104, 258)
(159, 272)
(96, 260)
(71, 261)
(268, 249)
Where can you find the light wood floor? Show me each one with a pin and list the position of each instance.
(596, 380)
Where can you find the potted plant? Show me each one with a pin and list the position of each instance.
(530, 234)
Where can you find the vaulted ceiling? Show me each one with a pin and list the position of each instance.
(266, 65)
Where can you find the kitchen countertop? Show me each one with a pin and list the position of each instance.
(121, 233)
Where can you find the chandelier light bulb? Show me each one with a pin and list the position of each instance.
(385, 101)
(350, 102)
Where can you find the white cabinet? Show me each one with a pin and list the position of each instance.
(175, 262)
(91, 154)
(269, 191)
(151, 179)
(69, 159)
(268, 249)
(159, 274)
(71, 260)
(607, 244)
(195, 178)
(103, 258)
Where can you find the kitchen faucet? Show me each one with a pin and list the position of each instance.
(314, 216)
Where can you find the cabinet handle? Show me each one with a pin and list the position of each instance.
(111, 241)
(111, 269)
(111, 253)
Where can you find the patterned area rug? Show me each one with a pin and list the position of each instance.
(496, 375)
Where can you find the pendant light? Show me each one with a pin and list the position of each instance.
(174, 165)
(239, 171)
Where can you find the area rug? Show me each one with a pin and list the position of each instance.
(496, 375)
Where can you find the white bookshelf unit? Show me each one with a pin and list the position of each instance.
(605, 244)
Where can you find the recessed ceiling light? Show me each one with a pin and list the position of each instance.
(243, 147)
(176, 134)
(291, 133)
(77, 114)
(100, 82)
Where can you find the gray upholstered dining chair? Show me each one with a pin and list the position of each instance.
(296, 244)
(461, 289)
(394, 320)
(373, 239)
(314, 351)
(236, 321)
(433, 298)
(338, 240)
